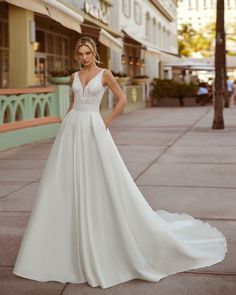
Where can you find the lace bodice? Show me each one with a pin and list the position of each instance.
(92, 93)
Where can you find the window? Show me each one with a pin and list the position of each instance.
(55, 47)
(148, 26)
(126, 8)
(159, 35)
(137, 13)
(164, 38)
(190, 4)
(154, 31)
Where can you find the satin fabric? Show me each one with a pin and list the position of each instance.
(90, 222)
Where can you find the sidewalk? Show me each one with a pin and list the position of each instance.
(179, 163)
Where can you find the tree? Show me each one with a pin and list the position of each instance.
(231, 39)
(191, 41)
(218, 120)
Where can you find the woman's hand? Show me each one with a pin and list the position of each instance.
(107, 122)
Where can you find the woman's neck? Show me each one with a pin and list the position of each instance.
(90, 67)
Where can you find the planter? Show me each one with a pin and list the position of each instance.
(140, 81)
(122, 80)
(59, 80)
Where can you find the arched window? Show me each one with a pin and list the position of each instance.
(148, 26)
(159, 35)
(154, 31)
(190, 4)
(164, 38)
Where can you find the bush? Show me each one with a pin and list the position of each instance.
(62, 72)
(141, 77)
(171, 89)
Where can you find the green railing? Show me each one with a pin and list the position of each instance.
(20, 105)
(32, 114)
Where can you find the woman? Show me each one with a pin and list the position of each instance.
(90, 223)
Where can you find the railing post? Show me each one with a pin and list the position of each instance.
(63, 99)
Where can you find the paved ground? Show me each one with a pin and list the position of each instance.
(180, 165)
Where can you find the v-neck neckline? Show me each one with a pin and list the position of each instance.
(84, 87)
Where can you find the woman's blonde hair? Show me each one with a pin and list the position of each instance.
(86, 41)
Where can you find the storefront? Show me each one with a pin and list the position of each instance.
(34, 41)
(54, 49)
(132, 58)
(43, 34)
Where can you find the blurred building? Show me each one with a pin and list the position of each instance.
(200, 13)
(150, 35)
(38, 36)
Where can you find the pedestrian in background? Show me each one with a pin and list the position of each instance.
(230, 87)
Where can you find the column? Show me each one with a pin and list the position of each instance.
(21, 51)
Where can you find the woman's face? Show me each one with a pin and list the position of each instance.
(85, 55)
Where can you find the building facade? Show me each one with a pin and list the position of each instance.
(133, 36)
(44, 36)
(150, 35)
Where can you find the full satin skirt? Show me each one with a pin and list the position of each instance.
(90, 222)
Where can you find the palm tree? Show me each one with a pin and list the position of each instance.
(218, 121)
(191, 41)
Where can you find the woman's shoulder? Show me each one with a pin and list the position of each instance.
(106, 72)
(72, 76)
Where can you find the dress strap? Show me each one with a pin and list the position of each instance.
(101, 75)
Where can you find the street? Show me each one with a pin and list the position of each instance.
(179, 163)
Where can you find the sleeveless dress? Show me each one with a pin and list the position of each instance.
(90, 222)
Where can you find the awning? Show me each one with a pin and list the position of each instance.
(190, 65)
(144, 43)
(131, 39)
(53, 9)
(108, 40)
(103, 36)
(153, 50)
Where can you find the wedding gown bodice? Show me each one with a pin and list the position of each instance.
(91, 94)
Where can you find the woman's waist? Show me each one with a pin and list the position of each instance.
(86, 107)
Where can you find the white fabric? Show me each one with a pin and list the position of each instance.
(90, 222)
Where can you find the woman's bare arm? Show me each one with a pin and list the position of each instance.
(71, 93)
(110, 81)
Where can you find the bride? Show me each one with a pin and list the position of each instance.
(90, 222)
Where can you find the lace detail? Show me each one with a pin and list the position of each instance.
(92, 93)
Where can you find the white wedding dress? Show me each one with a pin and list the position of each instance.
(90, 222)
